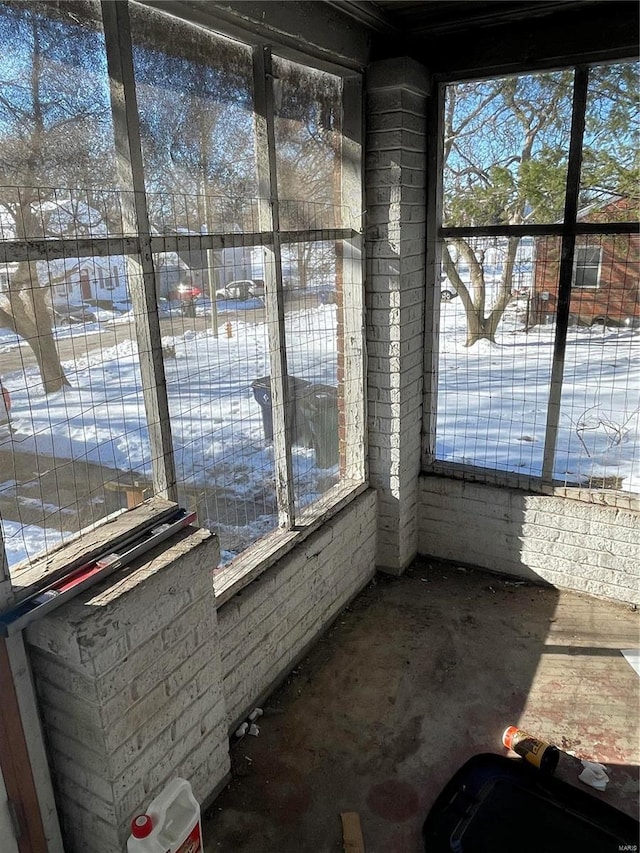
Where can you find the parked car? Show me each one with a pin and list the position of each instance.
(185, 293)
(67, 315)
(5, 411)
(242, 290)
(117, 306)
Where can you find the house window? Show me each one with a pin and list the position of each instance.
(537, 251)
(236, 166)
(587, 266)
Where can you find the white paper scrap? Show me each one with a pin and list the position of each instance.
(633, 658)
(594, 774)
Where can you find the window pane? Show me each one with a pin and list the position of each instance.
(505, 150)
(216, 358)
(308, 130)
(493, 387)
(598, 436)
(314, 296)
(611, 161)
(77, 448)
(195, 101)
(56, 138)
(80, 453)
(587, 266)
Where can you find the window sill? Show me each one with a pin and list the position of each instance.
(249, 565)
(506, 479)
(106, 535)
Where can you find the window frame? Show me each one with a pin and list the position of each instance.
(569, 231)
(139, 246)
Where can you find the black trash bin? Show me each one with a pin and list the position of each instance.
(301, 430)
(319, 406)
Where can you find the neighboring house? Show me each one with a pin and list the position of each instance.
(606, 277)
(75, 280)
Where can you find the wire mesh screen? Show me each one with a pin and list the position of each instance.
(74, 453)
(312, 328)
(494, 363)
(519, 389)
(133, 318)
(497, 337)
(215, 352)
(75, 446)
(599, 427)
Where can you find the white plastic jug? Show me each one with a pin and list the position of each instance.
(171, 823)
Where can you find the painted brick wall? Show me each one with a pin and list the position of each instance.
(129, 679)
(569, 543)
(270, 624)
(395, 182)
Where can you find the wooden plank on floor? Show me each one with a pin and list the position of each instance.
(352, 833)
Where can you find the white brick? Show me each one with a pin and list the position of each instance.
(567, 542)
(307, 596)
(155, 698)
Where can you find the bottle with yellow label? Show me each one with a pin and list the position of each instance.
(538, 752)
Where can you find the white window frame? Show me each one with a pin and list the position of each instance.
(579, 267)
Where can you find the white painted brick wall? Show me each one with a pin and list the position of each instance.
(569, 543)
(395, 183)
(130, 684)
(271, 622)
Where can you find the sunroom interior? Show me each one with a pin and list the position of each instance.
(320, 325)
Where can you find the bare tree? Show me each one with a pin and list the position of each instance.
(49, 115)
(505, 152)
(506, 145)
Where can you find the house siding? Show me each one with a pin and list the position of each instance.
(617, 295)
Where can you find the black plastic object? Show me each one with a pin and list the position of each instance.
(262, 395)
(313, 414)
(319, 406)
(495, 804)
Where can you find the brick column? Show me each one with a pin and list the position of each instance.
(395, 181)
(130, 682)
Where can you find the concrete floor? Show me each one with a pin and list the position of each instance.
(416, 676)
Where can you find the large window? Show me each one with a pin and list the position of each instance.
(179, 281)
(539, 268)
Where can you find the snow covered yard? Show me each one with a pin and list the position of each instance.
(493, 400)
(492, 412)
(221, 452)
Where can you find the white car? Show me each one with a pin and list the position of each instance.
(5, 410)
(241, 290)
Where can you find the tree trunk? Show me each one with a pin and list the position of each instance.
(23, 306)
(480, 327)
(24, 309)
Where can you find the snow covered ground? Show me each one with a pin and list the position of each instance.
(493, 399)
(492, 411)
(217, 425)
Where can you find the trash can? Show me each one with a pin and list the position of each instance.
(301, 429)
(318, 405)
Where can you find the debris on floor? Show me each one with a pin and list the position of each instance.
(594, 774)
(352, 839)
